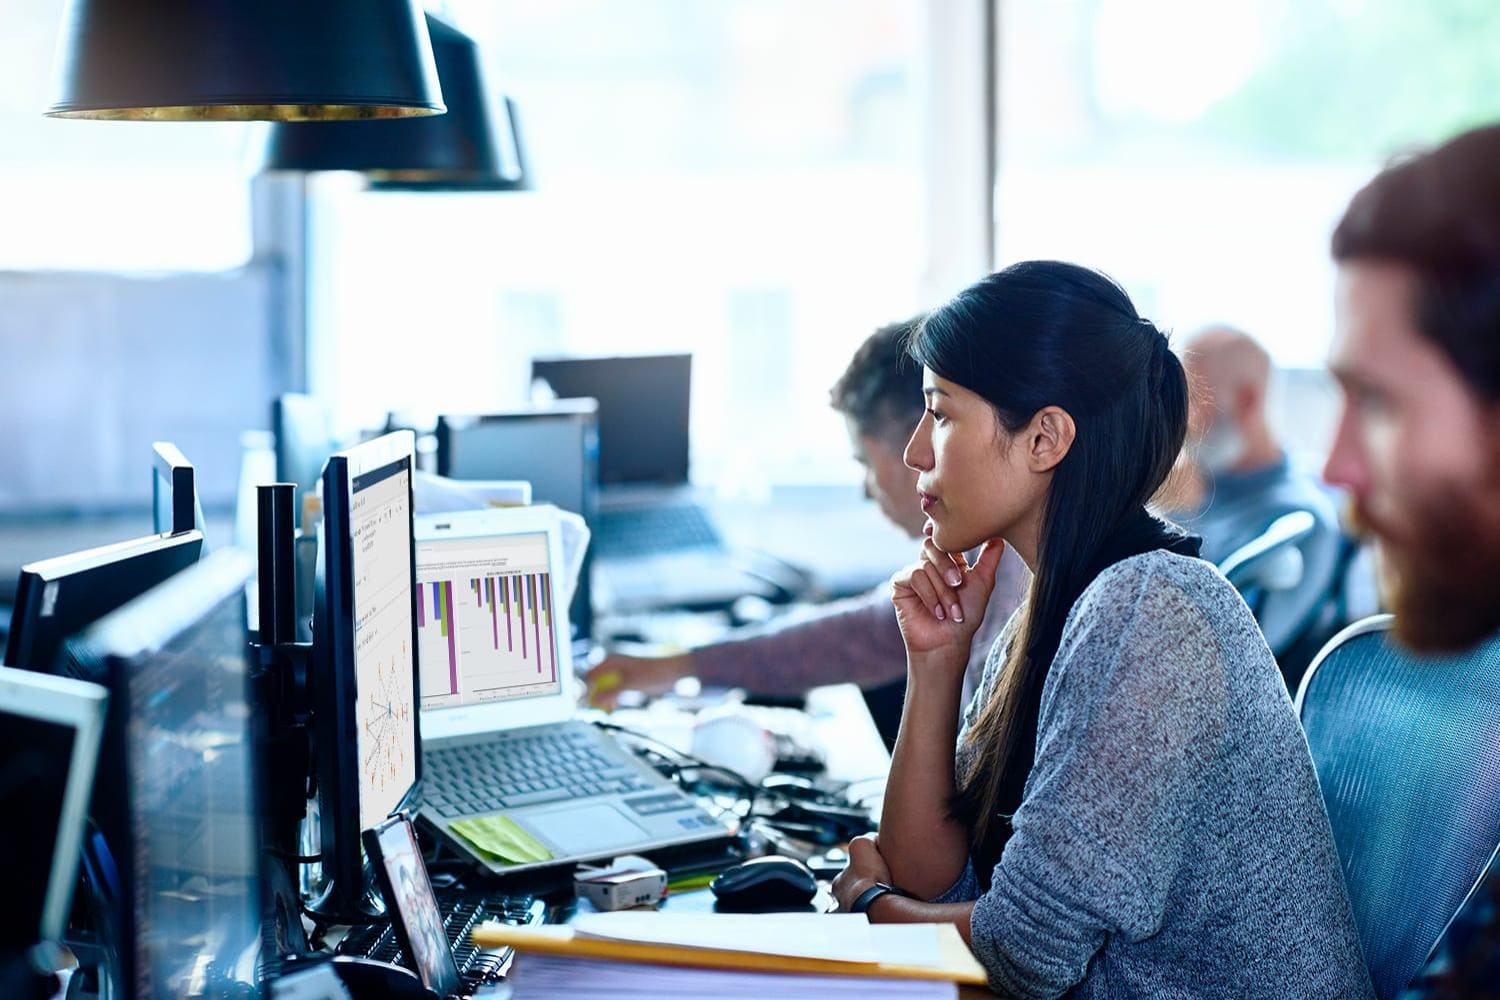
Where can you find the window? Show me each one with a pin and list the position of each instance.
(102, 354)
(743, 179)
(1202, 153)
(110, 196)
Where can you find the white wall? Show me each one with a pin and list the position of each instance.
(94, 367)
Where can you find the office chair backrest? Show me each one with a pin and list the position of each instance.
(1271, 560)
(1409, 764)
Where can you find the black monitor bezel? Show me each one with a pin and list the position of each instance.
(335, 689)
(170, 465)
(74, 570)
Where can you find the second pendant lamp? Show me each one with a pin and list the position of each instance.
(476, 146)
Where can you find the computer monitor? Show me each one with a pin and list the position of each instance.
(58, 597)
(554, 447)
(304, 440)
(176, 859)
(365, 634)
(643, 412)
(49, 744)
(174, 494)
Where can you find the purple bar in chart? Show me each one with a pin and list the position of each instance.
(441, 619)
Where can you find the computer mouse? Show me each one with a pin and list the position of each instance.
(765, 882)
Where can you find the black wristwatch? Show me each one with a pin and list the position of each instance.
(867, 898)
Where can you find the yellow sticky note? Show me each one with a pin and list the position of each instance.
(502, 838)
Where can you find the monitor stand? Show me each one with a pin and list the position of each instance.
(338, 905)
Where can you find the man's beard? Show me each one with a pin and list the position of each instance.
(1218, 449)
(1441, 578)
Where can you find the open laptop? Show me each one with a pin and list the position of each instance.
(501, 747)
(654, 544)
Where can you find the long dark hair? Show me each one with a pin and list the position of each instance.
(1038, 334)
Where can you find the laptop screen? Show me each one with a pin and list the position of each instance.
(485, 628)
(643, 412)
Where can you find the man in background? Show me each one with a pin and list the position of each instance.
(1417, 353)
(1245, 480)
(855, 640)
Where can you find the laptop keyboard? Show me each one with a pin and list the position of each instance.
(522, 769)
(462, 912)
(641, 531)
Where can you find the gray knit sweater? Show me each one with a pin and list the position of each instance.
(1172, 840)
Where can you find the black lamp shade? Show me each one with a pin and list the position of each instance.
(245, 60)
(474, 147)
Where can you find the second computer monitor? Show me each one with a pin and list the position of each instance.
(643, 412)
(58, 597)
(176, 860)
(555, 448)
(174, 491)
(366, 634)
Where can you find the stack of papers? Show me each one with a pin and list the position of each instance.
(840, 937)
(542, 977)
(785, 955)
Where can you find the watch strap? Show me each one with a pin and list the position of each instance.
(866, 899)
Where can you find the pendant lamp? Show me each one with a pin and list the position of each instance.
(476, 146)
(245, 60)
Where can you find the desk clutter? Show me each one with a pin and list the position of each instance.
(266, 818)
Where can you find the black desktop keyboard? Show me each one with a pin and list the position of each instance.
(462, 912)
(522, 769)
(640, 531)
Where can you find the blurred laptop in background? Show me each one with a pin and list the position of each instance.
(654, 544)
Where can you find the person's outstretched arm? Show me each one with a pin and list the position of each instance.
(853, 641)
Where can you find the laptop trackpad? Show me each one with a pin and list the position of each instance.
(584, 829)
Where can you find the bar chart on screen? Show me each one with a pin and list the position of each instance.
(485, 627)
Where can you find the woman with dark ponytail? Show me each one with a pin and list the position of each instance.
(1130, 810)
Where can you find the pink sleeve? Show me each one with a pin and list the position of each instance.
(850, 641)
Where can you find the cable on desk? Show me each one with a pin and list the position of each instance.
(749, 791)
(795, 816)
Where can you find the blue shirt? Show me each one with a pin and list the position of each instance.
(1242, 505)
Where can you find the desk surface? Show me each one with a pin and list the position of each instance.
(855, 752)
(852, 744)
(841, 725)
